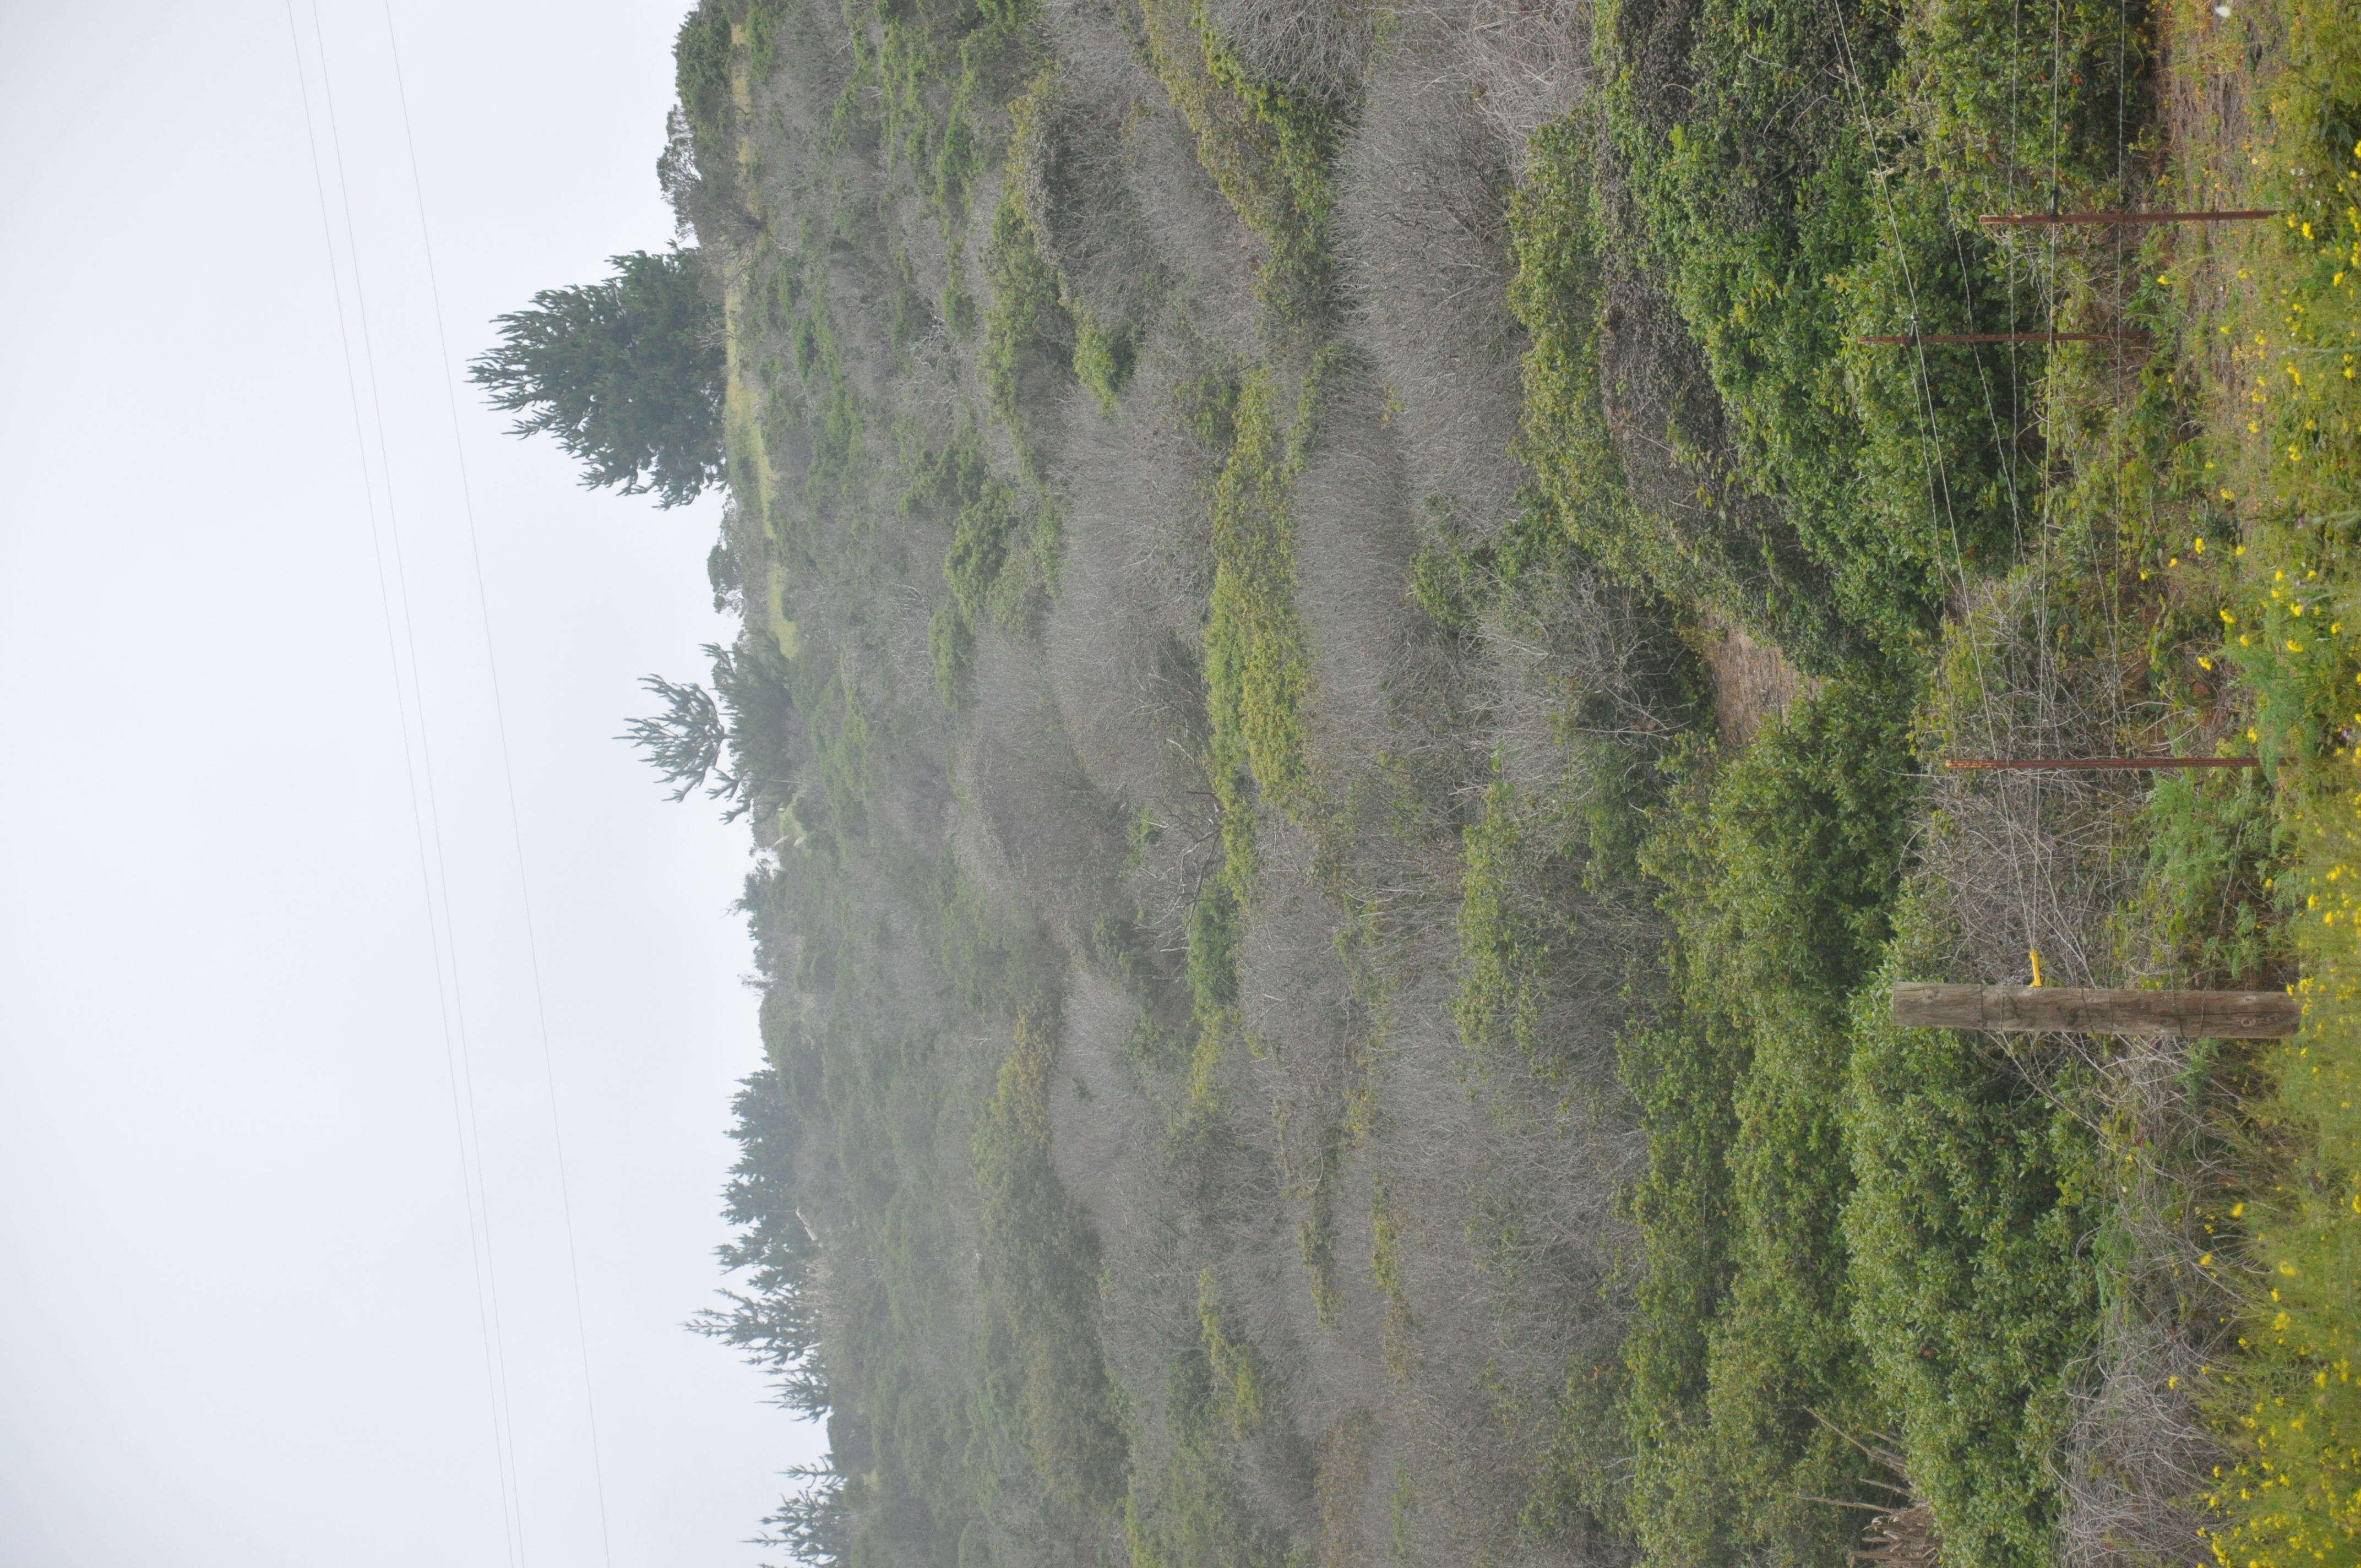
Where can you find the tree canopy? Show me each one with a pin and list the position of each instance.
(625, 372)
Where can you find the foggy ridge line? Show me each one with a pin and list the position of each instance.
(472, 1188)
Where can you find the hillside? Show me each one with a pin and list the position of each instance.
(1346, 655)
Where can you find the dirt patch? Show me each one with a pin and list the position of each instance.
(1751, 682)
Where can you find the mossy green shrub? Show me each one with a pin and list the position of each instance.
(1268, 151)
(1258, 663)
(1705, 555)
(1026, 333)
(2019, 107)
(1720, 547)
(1106, 340)
(1242, 1385)
(1780, 869)
(934, 77)
(1974, 1291)
(1186, 1508)
(1040, 1277)
(1510, 926)
(835, 424)
(1780, 192)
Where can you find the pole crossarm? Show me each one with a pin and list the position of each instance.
(2128, 336)
(2038, 220)
(2095, 765)
(2045, 1010)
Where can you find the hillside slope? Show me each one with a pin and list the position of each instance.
(1342, 639)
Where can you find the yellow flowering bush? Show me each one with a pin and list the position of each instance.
(2289, 1403)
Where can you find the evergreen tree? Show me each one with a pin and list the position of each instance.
(775, 1323)
(626, 373)
(684, 741)
(813, 1524)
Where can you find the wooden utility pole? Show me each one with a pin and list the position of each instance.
(2102, 764)
(2040, 220)
(2057, 1009)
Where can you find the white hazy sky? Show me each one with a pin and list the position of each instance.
(239, 1304)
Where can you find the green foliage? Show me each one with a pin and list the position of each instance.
(951, 651)
(1973, 1290)
(2020, 109)
(1214, 935)
(2287, 1406)
(1757, 196)
(1026, 333)
(701, 57)
(624, 372)
(1188, 1511)
(1103, 363)
(831, 414)
(1522, 867)
(1779, 869)
(933, 77)
(1242, 1388)
(1104, 343)
(1766, 176)
(776, 1322)
(987, 515)
(1711, 554)
(2211, 842)
(1257, 665)
(684, 742)
(1268, 150)
(1041, 1266)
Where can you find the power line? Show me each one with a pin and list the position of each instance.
(446, 1002)
(508, 776)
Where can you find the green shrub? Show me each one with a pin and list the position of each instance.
(1780, 869)
(1787, 219)
(1713, 554)
(1258, 665)
(1025, 328)
(1041, 1275)
(2019, 107)
(1103, 363)
(1189, 1510)
(1269, 152)
(1975, 1292)
(1242, 1383)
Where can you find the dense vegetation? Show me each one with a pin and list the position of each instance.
(1346, 640)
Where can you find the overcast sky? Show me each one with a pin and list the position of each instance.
(242, 1315)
